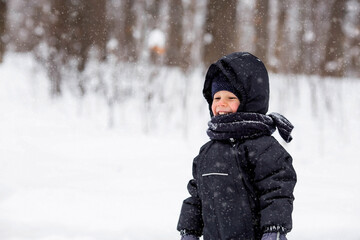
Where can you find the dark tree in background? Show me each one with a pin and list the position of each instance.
(2, 27)
(92, 34)
(221, 33)
(316, 23)
(189, 36)
(333, 63)
(280, 36)
(72, 31)
(57, 37)
(93, 29)
(127, 41)
(306, 37)
(174, 53)
(153, 11)
(354, 42)
(261, 28)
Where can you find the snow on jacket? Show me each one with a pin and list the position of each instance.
(241, 186)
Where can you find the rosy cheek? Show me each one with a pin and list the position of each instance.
(234, 108)
(213, 107)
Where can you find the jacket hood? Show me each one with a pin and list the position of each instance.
(248, 75)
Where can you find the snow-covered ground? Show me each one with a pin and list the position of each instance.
(64, 174)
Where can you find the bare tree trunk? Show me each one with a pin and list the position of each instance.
(3, 11)
(73, 29)
(57, 39)
(307, 62)
(317, 46)
(220, 30)
(307, 38)
(353, 51)
(96, 24)
(153, 11)
(355, 55)
(92, 29)
(189, 35)
(333, 63)
(300, 62)
(127, 40)
(174, 54)
(280, 40)
(54, 32)
(54, 74)
(261, 25)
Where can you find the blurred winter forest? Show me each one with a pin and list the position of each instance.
(319, 37)
(127, 48)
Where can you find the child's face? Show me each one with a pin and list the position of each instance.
(224, 102)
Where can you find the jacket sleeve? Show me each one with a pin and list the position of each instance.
(274, 180)
(190, 219)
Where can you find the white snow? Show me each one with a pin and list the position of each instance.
(64, 174)
(156, 38)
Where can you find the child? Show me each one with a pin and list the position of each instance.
(243, 178)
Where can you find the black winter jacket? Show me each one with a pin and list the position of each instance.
(244, 186)
(237, 194)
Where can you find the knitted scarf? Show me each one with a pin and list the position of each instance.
(242, 125)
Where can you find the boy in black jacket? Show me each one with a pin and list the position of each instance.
(243, 179)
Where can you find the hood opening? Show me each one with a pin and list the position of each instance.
(248, 75)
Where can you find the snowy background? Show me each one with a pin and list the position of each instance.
(76, 169)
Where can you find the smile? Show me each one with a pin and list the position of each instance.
(223, 113)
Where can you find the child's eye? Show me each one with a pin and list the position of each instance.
(217, 98)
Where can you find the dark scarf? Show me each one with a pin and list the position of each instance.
(242, 125)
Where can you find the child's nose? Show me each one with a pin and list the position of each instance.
(222, 102)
